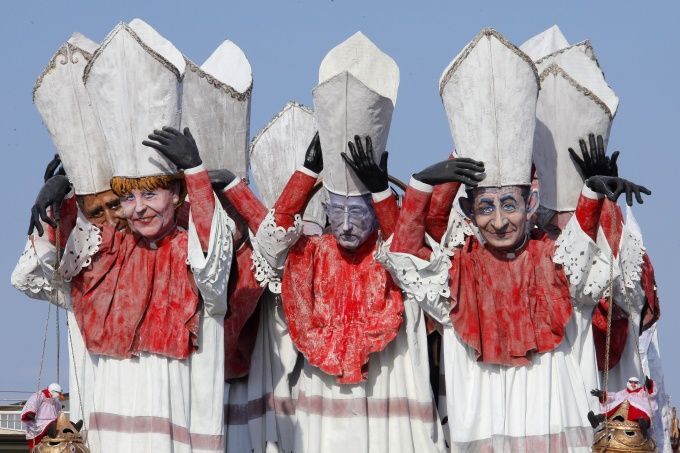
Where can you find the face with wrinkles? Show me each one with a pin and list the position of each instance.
(102, 209)
(151, 213)
(501, 214)
(351, 219)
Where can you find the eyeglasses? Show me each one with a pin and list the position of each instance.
(352, 211)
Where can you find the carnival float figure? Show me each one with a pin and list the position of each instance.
(639, 408)
(159, 341)
(40, 412)
(260, 393)
(364, 383)
(575, 96)
(505, 299)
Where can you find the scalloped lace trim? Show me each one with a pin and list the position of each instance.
(583, 262)
(457, 232)
(273, 241)
(29, 275)
(82, 245)
(419, 279)
(632, 251)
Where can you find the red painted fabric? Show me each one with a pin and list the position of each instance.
(611, 222)
(619, 333)
(437, 219)
(133, 298)
(68, 213)
(507, 309)
(652, 309)
(340, 306)
(293, 199)
(136, 298)
(242, 320)
(249, 207)
(588, 215)
(387, 214)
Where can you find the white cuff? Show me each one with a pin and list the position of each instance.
(235, 182)
(588, 193)
(307, 171)
(71, 193)
(197, 169)
(380, 196)
(421, 186)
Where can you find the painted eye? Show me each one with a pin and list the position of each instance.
(509, 207)
(485, 210)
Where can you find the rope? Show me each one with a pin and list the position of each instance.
(42, 357)
(610, 310)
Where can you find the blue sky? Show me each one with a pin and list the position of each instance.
(636, 43)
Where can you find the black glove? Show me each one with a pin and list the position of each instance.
(648, 383)
(52, 193)
(598, 393)
(612, 187)
(219, 179)
(461, 169)
(595, 162)
(180, 149)
(52, 170)
(313, 156)
(372, 175)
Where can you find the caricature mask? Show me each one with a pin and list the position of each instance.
(501, 214)
(102, 208)
(633, 384)
(352, 219)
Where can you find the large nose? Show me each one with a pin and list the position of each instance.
(499, 221)
(346, 225)
(140, 206)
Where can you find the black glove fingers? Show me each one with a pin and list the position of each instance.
(645, 190)
(629, 194)
(383, 161)
(155, 145)
(349, 162)
(160, 139)
(51, 167)
(369, 150)
(613, 166)
(166, 135)
(600, 147)
(469, 166)
(42, 210)
(171, 130)
(638, 197)
(353, 151)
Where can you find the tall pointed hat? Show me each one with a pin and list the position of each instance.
(216, 108)
(356, 95)
(278, 150)
(574, 101)
(489, 93)
(65, 108)
(544, 43)
(134, 81)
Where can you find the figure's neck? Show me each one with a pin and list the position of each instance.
(513, 252)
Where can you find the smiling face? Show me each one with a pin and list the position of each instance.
(633, 384)
(103, 209)
(352, 219)
(501, 214)
(151, 213)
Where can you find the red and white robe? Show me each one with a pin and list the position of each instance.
(364, 382)
(512, 348)
(151, 317)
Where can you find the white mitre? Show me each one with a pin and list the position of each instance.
(574, 101)
(134, 81)
(64, 105)
(216, 108)
(356, 95)
(278, 150)
(544, 43)
(489, 93)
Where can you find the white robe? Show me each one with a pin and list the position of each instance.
(392, 411)
(539, 407)
(151, 402)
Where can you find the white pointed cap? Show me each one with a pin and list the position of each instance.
(216, 108)
(134, 81)
(566, 112)
(356, 95)
(489, 93)
(278, 150)
(544, 43)
(64, 105)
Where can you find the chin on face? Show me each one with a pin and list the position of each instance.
(500, 214)
(352, 219)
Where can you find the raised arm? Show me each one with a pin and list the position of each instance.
(181, 150)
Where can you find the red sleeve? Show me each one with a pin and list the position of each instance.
(437, 219)
(202, 201)
(409, 236)
(611, 222)
(68, 212)
(588, 214)
(248, 206)
(651, 310)
(387, 214)
(293, 199)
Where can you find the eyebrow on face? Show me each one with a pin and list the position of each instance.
(507, 197)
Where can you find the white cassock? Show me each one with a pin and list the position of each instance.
(152, 402)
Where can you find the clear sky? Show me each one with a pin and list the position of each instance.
(637, 44)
